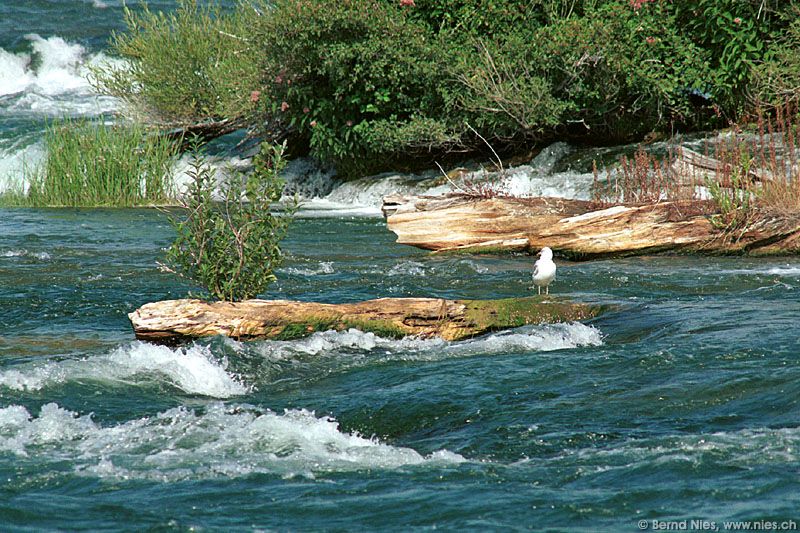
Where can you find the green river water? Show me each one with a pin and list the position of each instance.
(680, 403)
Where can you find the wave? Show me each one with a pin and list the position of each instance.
(322, 268)
(783, 271)
(48, 81)
(41, 256)
(743, 449)
(51, 79)
(220, 441)
(324, 195)
(541, 338)
(193, 370)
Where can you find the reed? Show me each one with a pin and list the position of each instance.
(748, 174)
(643, 178)
(92, 165)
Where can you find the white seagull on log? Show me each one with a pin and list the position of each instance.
(544, 270)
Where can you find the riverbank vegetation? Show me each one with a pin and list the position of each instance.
(749, 175)
(89, 165)
(377, 84)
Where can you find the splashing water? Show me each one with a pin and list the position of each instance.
(193, 370)
(180, 443)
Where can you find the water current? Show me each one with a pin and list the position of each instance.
(681, 402)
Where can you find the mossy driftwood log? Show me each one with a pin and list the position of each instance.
(580, 229)
(175, 320)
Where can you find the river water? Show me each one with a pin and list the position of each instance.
(679, 403)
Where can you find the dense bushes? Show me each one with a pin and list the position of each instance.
(188, 66)
(736, 35)
(357, 78)
(366, 83)
(778, 77)
(621, 70)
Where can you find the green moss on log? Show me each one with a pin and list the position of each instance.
(515, 312)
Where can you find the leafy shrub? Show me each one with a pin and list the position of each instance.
(778, 77)
(88, 164)
(487, 18)
(734, 33)
(357, 78)
(620, 71)
(504, 92)
(369, 84)
(231, 248)
(191, 65)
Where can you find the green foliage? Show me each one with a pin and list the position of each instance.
(354, 77)
(478, 17)
(619, 70)
(231, 248)
(735, 204)
(778, 76)
(88, 164)
(733, 32)
(504, 91)
(368, 84)
(191, 65)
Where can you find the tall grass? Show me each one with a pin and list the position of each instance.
(88, 165)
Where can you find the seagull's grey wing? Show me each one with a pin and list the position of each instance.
(536, 268)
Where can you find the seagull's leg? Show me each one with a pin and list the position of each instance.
(547, 289)
(539, 288)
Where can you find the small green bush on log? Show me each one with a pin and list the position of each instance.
(231, 248)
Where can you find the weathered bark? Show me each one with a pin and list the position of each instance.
(692, 167)
(206, 131)
(174, 320)
(580, 229)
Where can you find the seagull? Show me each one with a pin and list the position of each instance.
(544, 270)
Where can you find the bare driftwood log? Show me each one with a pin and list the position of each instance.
(580, 229)
(693, 167)
(174, 320)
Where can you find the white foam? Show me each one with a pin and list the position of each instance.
(744, 448)
(407, 268)
(354, 343)
(534, 179)
(52, 79)
(13, 163)
(783, 271)
(41, 256)
(328, 343)
(542, 338)
(220, 442)
(321, 208)
(193, 370)
(324, 267)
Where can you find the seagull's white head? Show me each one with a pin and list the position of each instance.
(546, 253)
